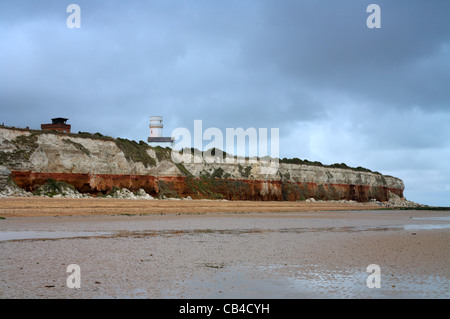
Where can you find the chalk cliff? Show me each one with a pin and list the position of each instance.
(96, 164)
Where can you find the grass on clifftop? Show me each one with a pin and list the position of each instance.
(136, 152)
(298, 161)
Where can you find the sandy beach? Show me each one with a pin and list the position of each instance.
(220, 249)
(41, 206)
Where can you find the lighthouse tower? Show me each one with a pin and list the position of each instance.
(156, 126)
(156, 138)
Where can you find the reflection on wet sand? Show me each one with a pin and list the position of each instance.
(44, 235)
(259, 255)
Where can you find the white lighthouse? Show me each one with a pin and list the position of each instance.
(156, 127)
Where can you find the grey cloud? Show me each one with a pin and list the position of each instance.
(327, 44)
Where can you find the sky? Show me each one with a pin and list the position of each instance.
(337, 90)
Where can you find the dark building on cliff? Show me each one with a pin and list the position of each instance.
(58, 124)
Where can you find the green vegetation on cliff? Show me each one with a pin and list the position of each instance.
(95, 136)
(53, 187)
(24, 145)
(136, 152)
(298, 161)
(183, 169)
(78, 146)
(162, 153)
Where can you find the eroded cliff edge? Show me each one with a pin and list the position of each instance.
(96, 164)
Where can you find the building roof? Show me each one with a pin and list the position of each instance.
(59, 120)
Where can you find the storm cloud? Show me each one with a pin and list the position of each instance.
(337, 90)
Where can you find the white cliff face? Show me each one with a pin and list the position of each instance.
(69, 154)
(8, 135)
(324, 175)
(62, 153)
(293, 173)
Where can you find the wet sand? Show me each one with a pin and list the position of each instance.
(302, 253)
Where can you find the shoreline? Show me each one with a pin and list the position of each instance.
(40, 206)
